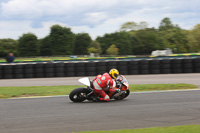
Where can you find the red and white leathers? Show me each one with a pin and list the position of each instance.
(104, 83)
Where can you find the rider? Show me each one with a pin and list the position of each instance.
(105, 82)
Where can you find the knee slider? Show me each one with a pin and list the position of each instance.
(106, 98)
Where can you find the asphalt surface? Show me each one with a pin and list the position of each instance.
(139, 110)
(60, 115)
(193, 78)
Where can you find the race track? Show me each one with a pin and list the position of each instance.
(193, 78)
(139, 110)
(59, 115)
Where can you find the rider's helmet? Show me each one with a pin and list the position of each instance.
(114, 73)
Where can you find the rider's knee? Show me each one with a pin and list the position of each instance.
(106, 98)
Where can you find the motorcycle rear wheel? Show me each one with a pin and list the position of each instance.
(78, 95)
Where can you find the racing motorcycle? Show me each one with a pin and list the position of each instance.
(87, 93)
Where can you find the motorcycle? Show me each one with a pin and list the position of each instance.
(87, 93)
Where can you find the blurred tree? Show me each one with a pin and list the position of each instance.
(112, 50)
(173, 36)
(194, 39)
(82, 43)
(122, 40)
(94, 47)
(166, 24)
(8, 46)
(28, 45)
(145, 41)
(61, 40)
(45, 47)
(128, 26)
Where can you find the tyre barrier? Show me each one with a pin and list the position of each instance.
(71, 69)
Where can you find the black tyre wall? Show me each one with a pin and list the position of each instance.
(133, 67)
(144, 67)
(165, 66)
(39, 70)
(69, 69)
(80, 69)
(122, 66)
(196, 63)
(49, 70)
(90, 68)
(59, 69)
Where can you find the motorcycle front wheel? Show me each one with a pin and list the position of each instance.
(78, 95)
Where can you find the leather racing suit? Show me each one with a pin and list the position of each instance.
(104, 83)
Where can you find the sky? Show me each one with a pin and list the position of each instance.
(96, 17)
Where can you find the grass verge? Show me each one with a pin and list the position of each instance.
(176, 129)
(26, 91)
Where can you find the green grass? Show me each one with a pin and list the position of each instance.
(176, 129)
(8, 92)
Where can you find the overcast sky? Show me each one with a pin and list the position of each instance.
(95, 17)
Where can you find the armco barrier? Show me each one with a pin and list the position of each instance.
(71, 69)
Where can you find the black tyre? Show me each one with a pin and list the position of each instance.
(90, 69)
(111, 67)
(144, 72)
(154, 62)
(155, 71)
(188, 70)
(39, 65)
(80, 69)
(144, 67)
(165, 61)
(49, 75)
(78, 94)
(165, 66)
(59, 70)
(112, 63)
(60, 75)
(177, 71)
(39, 75)
(18, 66)
(18, 76)
(90, 64)
(49, 70)
(122, 63)
(91, 73)
(28, 71)
(101, 68)
(165, 71)
(124, 72)
(70, 69)
(144, 62)
(133, 72)
(28, 75)
(70, 74)
(123, 68)
(80, 64)
(103, 63)
(18, 71)
(81, 74)
(8, 76)
(59, 65)
(69, 64)
(133, 67)
(39, 70)
(133, 63)
(188, 66)
(28, 66)
(154, 66)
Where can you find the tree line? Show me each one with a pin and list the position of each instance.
(131, 39)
